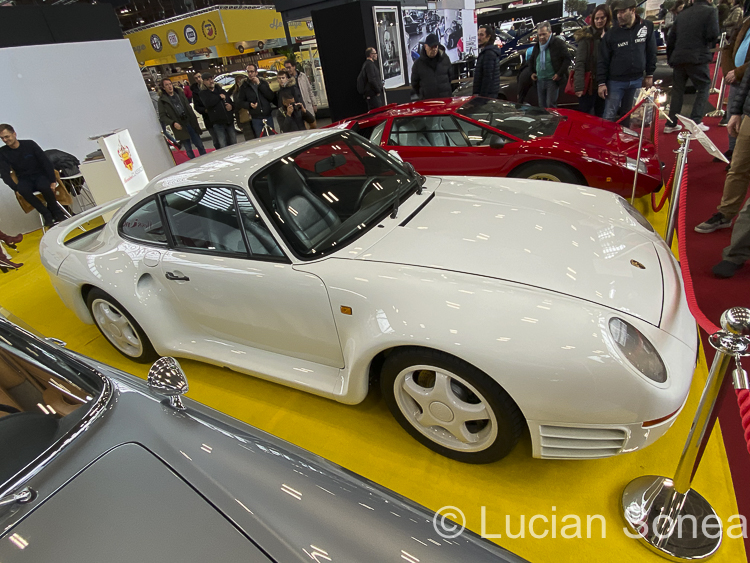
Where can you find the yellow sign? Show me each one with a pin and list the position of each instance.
(214, 28)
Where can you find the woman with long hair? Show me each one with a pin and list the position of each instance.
(588, 39)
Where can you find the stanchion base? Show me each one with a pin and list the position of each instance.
(715, 113)
(677, 527)
(713, 91)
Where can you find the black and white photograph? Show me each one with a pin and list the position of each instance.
(389, 45)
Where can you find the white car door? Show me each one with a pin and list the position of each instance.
(230, 280)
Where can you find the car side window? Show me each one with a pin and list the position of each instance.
(478, 136)
(428, 131)
(205, 219)
(259, 237)
(144, 223)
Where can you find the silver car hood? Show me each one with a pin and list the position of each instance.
(196, 464)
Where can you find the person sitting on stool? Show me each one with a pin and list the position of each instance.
(34, 171)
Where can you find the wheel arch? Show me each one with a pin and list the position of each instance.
(518, 170)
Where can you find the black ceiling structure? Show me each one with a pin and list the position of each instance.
(136, 13)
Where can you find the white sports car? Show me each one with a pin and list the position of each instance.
(482, 306)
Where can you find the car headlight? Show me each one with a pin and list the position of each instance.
(638, 350)
(630, 165)
(635, 214)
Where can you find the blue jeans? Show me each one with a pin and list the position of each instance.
(195, 139)
(620, 97)
(258, 123)
(225, 134)
(547, 92)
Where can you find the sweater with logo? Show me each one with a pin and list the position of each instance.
(625, 54)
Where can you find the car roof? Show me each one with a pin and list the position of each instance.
(421, 107)
(236, 163)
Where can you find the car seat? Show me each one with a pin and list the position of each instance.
(304, 215)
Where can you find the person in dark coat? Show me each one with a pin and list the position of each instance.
(293, 116)
(373, 82)
(549, 63)
(588, 39)
(626, 53)
(431, 73)
(34, 172)
(487, 69)
(175, 111)
(256, 96)
(219, 110)
(198, 105)
(288, 89)
(689, 46)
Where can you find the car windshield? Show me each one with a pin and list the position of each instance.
(524, 122)
(44, 393)
(328, 194)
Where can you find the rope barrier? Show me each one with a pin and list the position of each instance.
(743, 396)
(639, 104)
(667, 191)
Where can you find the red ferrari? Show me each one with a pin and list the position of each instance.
(475, 136)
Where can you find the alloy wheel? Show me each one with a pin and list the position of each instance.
(117, 328)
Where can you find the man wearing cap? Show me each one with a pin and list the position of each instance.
(219, 110)
(689, 44)
(431, 73)
(627, 52)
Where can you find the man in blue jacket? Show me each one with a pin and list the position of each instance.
(691, 38)
(627, 52)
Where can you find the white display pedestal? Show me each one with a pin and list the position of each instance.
(119, 172)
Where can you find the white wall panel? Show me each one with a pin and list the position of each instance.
(60, 95)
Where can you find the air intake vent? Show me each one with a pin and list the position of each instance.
(566, 442)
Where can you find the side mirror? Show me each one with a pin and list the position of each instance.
(497, 142)
(167, 378)
(395, 155)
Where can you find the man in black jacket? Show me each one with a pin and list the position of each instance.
(487, 68)
(431, 73)
(195, 88)
(255, 96)
(691, 38)
(219, 111)
(549, 62)
(34, 172)
(626, 52)
(373, 83)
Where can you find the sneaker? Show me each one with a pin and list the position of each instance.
(726, 269)
(724, 121)
(5, 263)
(703, 126)
(727, 155)
(676, 127)
(716, 222)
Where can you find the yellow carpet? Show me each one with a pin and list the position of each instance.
(367, 440)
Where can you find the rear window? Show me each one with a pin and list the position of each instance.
(524, 122)
(144, 223)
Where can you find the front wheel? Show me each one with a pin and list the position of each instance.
(450, 406)
(548, 171)
(119, 327)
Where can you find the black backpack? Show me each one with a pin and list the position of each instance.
(362, 80)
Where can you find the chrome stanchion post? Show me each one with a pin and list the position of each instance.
(638, 156)
(719, 111)
(665, 514)
(722, 43)
(674, 201)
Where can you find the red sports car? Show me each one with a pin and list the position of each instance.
(475, 136)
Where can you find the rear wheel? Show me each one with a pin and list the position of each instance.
(119, 327)
(548, 171)
(450, 406)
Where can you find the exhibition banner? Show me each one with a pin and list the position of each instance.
(214, 29)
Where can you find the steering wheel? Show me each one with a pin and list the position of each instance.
(369, 182)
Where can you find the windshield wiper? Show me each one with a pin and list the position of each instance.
(419, 179)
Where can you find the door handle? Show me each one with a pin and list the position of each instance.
(174, 277)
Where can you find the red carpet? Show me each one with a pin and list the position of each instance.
(714, 296)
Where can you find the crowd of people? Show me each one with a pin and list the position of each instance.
(249, 103)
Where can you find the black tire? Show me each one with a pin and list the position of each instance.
(495, 436)
(98, 301)
(547, 170)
